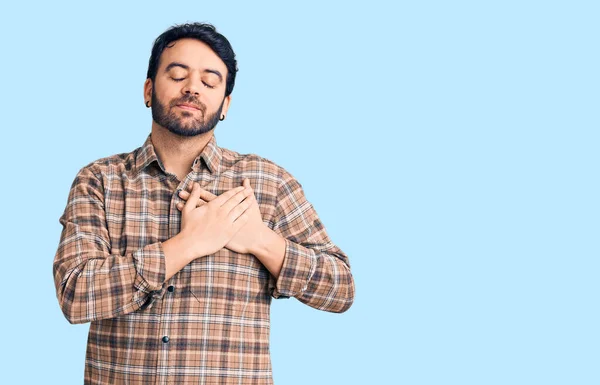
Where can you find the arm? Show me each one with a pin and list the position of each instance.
(91, 282)
(314, 270)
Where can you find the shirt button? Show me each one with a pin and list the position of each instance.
(165, 339)
(171, 288)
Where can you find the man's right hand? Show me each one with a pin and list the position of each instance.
(208, 228)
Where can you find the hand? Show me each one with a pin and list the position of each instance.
(211, 226)
(250, 233)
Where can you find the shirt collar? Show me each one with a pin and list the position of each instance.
(211, 154)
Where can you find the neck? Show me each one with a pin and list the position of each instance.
(177, 153)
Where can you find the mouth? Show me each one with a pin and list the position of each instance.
(188, 107)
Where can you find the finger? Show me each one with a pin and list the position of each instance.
(236, 199)
(193, 198)
(180, 205)
(240, 221)
(250, 196)
(204, 194)
(221, 199)
(239, 209)
(247, 184)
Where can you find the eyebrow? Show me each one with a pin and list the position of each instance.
(186, 67)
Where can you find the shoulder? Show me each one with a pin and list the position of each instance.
(259, 165)
(108, 167)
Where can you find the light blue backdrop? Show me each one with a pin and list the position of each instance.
(450, 148)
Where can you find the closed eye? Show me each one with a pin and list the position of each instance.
(205, 84)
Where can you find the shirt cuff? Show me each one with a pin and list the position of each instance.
(150, 266)
(299, 264)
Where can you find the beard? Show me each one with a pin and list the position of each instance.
(186, 125)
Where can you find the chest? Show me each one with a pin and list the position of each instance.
(142, 210)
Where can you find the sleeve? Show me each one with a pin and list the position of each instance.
(315, 271)
(91, 282)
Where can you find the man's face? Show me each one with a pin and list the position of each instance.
(189, 88)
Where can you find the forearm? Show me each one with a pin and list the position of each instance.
(319, 279)
(95, 285)
(270, 250)
(177, 255)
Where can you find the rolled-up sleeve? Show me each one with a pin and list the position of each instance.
(91, 282)
(315, 270)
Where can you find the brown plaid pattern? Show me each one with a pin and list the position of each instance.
(209, 323)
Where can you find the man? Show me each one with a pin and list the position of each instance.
(174, 251)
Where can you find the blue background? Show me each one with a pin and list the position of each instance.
(450, 149)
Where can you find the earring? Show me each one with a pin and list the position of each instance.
(148, 103)
(222, 118)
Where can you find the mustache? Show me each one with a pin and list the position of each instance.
(190, 100)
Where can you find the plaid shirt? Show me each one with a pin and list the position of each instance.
(209, 323)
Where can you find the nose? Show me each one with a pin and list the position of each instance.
(192, 85)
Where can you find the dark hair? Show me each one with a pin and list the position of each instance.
(204, 32)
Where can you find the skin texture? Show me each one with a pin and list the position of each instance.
(190, 72)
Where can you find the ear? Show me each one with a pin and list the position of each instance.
(148, 90)
(226, 104)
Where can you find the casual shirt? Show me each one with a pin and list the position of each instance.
(209, 323)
